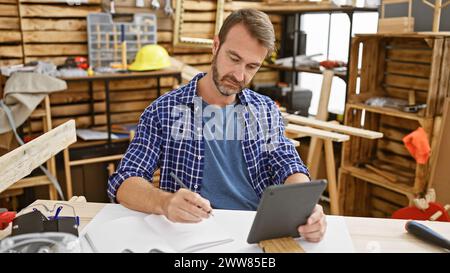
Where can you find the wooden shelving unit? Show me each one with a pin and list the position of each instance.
(393, 66)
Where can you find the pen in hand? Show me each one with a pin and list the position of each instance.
(179, 182)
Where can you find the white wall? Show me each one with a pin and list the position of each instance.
(316, 28)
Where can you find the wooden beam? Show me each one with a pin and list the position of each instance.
(412, 83)
(10, 36)
(408, 69)
(24, 159)
(11, 51)
(313, 132)
(9, 23)
(54, 36)
(348, 130)
(53, 11)
(7, 62)
(55, 49)
(89, 2)
(53, 24)
(8, 10)
(410, 55)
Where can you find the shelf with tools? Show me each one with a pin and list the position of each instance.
(411, 69)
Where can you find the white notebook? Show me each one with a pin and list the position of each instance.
(143, 234)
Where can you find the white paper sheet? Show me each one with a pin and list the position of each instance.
(236, 223)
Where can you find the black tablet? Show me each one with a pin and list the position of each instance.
(283, 208)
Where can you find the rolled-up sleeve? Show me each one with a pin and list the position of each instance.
(284, 158)
(142, 156)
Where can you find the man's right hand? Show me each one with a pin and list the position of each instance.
(187, 207)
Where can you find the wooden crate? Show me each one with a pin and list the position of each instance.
(10, 36)
(387, 154)
(364, 199)
(403, 66)
(392, 66)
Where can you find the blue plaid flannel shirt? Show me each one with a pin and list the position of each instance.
(154, 145)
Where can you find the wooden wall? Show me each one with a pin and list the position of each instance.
(52, 30)
(10, 36)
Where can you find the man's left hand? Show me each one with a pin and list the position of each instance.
(315, 227)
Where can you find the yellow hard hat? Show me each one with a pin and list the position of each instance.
(150, 57)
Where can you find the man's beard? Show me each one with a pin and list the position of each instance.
(226, 91)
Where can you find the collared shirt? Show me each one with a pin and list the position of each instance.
(169, 136)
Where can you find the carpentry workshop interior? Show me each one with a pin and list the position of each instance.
(361, 89)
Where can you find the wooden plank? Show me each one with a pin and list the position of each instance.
(396, 25)
(27, 182)
(9, 23)
(399, 170)
(386, 111)
(394, 147)
(196, 6)
(390, 196)
(9, 2)
(8, 10)
(119, 85)
(373, 178)
(198, 27)
(55, 49)
(392, 133)
(84, 2)
(409, 125)
(189, 34)
(411, 83)
(54, 60)
(396, 159)
(353, 66)
(10, 36)
(410, 55)
(434, 77)
(24, 159)
(77, 109)
(54, 36)
(402, 93)
(292, 128)
(444, 82)
(368, 63)
(408, 69)
(10, 51)
(7, 62)
(383, 206)
(74, 97)
(53, 11)
(145, 95)
(411, 43)
(199, 16)
(440, 172)
(332, 126)
(53, 24)
(129, 106)
(181, 50)
(377, 214)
